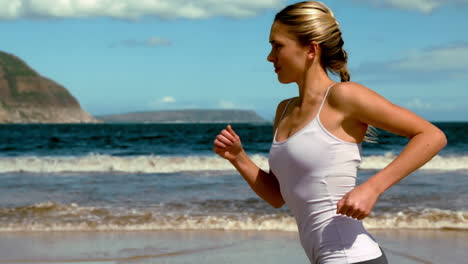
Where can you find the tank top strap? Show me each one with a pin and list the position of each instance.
(324, 98)
(284, 110)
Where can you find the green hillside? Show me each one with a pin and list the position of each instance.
(14, 66)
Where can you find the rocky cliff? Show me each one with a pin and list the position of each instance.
(27, 97)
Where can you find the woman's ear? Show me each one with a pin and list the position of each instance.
(314, 50)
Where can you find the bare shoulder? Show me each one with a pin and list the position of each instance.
(346, 92)
(361, 104)
(279, 110)
(351, 96)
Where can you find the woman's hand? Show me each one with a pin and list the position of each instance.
(358, 203)
(227, 144)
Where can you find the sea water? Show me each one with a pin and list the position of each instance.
(166, 177)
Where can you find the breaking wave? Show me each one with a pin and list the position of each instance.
(171, 164)
(51, 216)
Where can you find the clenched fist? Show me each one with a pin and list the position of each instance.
(358, 203)
(227, 144)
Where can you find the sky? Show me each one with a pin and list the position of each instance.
(119, 56)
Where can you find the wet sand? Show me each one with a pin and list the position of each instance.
(174, 247)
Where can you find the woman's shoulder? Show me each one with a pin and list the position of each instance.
(282, 105)
(281, 108)
(347, 89)
(345, 93)
(285, 101)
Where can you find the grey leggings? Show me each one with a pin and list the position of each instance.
(380, 260)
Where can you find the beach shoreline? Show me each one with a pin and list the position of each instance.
(214, 246)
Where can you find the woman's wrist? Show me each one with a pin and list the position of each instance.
(239, 158)
(374, 186)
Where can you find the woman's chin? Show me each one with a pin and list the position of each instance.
(284, 81)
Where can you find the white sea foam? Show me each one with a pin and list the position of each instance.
(429, 218)
(131, 164)
(50, 216)
(170, 164)
(437, 163)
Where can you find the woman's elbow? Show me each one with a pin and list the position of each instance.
(277, 204)
(440, 138)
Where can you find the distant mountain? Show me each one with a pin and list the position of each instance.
(27, 97)
(186, 116)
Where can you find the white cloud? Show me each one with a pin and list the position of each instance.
(418, 104)
(157, 41)
(164, 102)
(134, 9)
(150, 42)
(444, 61)
(168, 100)
(226, 104)
(460, 75)
(448, 58)
(424, 6)
(435, 104)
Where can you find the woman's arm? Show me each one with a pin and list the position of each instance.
(426, 140)
(262, 183)
(228, 145)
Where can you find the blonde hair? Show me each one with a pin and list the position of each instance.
(313, 21)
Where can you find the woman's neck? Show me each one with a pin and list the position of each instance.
(313, 86)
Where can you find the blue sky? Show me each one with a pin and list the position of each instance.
(119, 56)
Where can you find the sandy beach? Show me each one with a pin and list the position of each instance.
(401, 246)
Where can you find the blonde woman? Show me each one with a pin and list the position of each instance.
(317, 138)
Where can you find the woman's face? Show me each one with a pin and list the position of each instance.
(287, 54)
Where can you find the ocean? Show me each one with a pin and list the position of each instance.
(126, 177)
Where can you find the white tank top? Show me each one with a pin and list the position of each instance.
(314, 170)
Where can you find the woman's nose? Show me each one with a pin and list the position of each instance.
(270, 57)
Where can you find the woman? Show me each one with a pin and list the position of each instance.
(316, 146)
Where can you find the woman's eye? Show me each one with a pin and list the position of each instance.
(276, 46)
